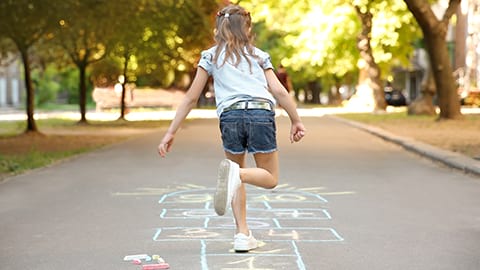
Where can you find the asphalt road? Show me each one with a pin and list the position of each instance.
(346, 200)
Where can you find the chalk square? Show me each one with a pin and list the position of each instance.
(251, 261)
(265, 248)
(286, 197)
(300, 234)
(191, 234)
(298, 213)
(190, 196)
(228, 223)
(192, 213)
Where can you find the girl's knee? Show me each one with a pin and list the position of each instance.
(272, 183)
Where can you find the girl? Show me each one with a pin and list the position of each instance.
(246, 91)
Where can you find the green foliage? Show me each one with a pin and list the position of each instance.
(161, 40)
(105, 73)
(46, 85)
(7, 47)
(53, 82)
(69, 84)
(318, 38)
(24, 21)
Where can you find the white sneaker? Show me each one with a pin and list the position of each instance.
(243, 243)
(228, 182)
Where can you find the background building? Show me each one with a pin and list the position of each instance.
(10, 83)
(467, 45)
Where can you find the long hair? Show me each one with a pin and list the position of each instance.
(233, 33)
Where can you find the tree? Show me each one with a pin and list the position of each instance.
(25, 22)
(434, 32)
(319, 37)
(371, 68)
(83, 32)
(159, 36)
(181, 29)
(128, 42)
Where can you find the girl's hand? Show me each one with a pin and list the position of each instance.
(297, 132)
(165, 144)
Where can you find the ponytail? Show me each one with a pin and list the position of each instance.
(232, 34)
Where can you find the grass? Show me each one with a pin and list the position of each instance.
(14, 164)
(60, 139)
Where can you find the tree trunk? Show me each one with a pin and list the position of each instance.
(124, 90)
(122, 102)
(434, 32)
(423, 105)
(313, 95)
(82, 94)
(30, 102)
(448, 99)
(334, 96)
(461, 40)
(373, 71)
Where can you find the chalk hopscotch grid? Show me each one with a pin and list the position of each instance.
(196, 233)
(264, 203)
(200, 195)
(304, 213)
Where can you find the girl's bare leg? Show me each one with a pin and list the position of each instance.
(265, 175)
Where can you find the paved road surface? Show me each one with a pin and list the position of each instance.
(346, 200)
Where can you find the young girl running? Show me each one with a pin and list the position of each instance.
(246, 91)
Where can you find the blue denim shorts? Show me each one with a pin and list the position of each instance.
(252, 130)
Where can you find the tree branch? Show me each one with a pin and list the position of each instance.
(422, 12)
(452, 8)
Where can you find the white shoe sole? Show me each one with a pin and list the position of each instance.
(244, 247)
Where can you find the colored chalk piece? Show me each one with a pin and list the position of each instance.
(157, 258)
(137, 261)
(155, 266)
(137, 256)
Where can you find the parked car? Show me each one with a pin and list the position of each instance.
(394, 97)
(470, 97)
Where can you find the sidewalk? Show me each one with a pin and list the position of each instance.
(449, 158)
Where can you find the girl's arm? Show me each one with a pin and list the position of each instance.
(285, 100)
(187, 104)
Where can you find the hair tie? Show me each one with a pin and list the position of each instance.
(227, 15)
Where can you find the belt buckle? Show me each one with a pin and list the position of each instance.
(260, 105)
(250, 104)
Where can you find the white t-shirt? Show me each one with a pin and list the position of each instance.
(233, 84)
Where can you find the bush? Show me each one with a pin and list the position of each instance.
(46, 85)
(69, 84)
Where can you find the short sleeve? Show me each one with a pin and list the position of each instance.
(206, 61)
(265, 60)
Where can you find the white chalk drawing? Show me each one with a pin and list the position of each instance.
(282, 219)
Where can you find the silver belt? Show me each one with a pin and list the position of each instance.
(249, 105)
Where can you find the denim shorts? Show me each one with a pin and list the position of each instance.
(253, 130)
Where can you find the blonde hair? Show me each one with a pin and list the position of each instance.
(233, 33)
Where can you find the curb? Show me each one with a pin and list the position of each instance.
(449, 158)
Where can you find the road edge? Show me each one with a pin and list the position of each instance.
(451, 159)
